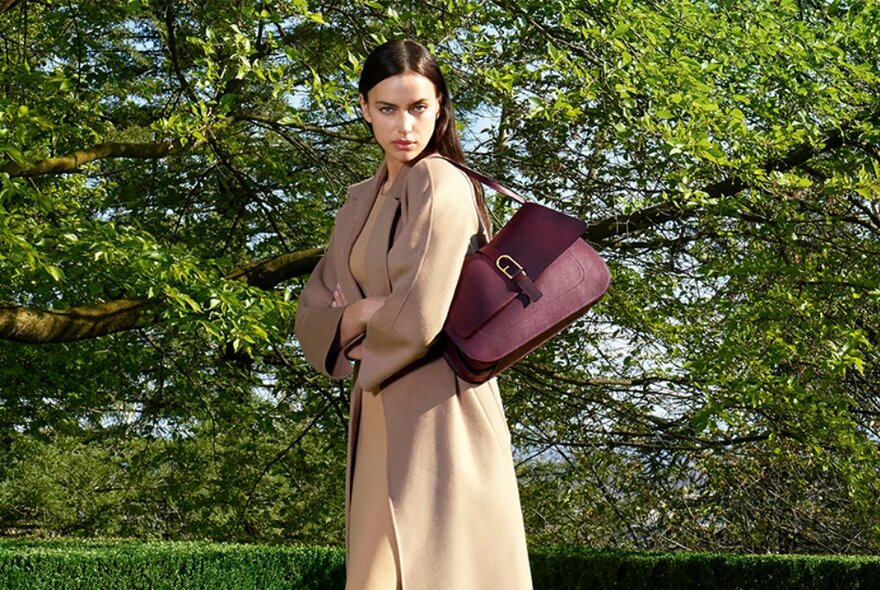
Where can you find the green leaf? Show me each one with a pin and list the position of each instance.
(56, 273)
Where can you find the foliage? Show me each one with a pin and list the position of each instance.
(576, 568)
(126, 564)
(724, 394)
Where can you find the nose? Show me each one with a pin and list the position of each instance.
(407, 122)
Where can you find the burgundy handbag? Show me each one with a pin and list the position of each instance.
(534, 278)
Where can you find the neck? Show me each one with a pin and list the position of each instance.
(392, 168)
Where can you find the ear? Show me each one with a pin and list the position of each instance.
(365, 109)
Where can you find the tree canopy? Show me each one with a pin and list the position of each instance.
(169, 173)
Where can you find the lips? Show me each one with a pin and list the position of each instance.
(404, 145)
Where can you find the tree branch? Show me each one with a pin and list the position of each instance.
(267, 273)
(173, 51)
(276, 124)
(72, 161)
(36, 326)
(659, 214)
(42, 326)
(278, 457)
(7, 5)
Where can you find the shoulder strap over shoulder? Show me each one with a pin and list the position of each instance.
(488, 181)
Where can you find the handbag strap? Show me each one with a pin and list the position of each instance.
(488, 181)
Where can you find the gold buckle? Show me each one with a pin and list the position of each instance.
(506, 269)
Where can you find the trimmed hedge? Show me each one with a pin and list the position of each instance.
(129, 565)
(576, 568)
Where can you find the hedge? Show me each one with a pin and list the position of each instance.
(128, 565)
(575, 568)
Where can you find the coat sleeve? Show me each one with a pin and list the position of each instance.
(317, 323)
(438, 219)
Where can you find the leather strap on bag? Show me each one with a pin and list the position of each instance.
(488, 181)
(512, 270)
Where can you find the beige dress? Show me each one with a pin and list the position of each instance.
(371, 564)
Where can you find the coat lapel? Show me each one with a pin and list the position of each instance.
(377, 280)
(362, 197)
(385, 230)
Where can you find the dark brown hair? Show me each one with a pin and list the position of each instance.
(403, 56)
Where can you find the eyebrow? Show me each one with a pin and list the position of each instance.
(391, 104)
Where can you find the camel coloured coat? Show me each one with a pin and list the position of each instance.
(455, 505)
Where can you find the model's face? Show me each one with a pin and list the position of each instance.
(403, 111)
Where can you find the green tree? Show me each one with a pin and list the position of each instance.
(169, 175)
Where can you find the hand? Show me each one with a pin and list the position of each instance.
(338, 297)
(355, 318)
(368, 307)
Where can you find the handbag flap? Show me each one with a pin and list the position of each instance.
(534, 237)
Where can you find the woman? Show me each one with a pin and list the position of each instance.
(431, 495)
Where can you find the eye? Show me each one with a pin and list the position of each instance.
(420, 108)
(386, 109)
